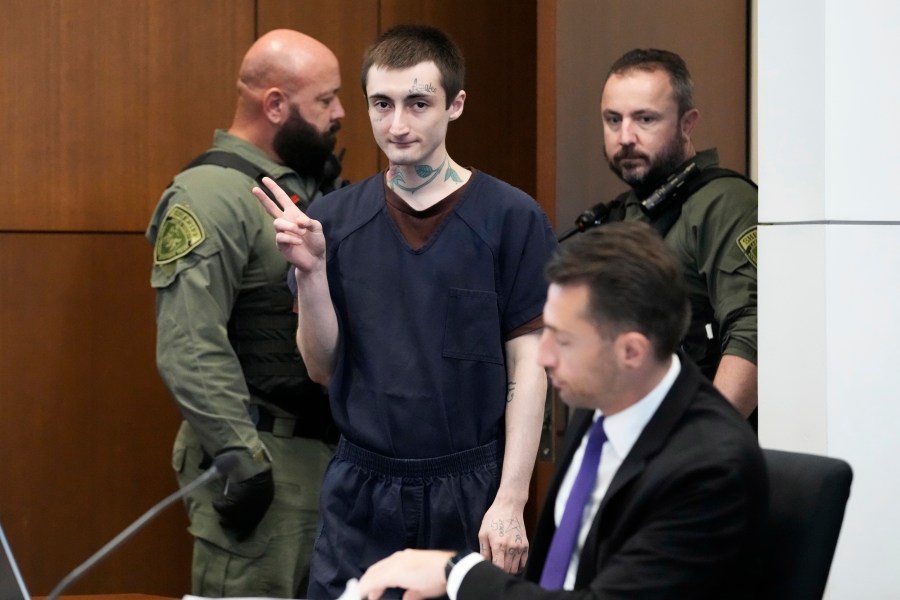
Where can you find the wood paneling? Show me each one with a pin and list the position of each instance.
(347, 27)
(103, 101)
(86, 426)
(545, 110)
(545, 184)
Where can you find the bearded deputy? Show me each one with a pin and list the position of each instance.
(226, 323)
(707, 214)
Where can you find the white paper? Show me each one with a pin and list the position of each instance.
(350, 593)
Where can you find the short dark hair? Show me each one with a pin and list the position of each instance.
(634, 281)
(652, 59)
(405, 46)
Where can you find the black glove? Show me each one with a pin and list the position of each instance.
(245, 503)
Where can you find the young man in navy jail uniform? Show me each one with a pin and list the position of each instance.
(420, 292)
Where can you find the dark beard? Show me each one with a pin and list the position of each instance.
(664, 164)
(302, 147)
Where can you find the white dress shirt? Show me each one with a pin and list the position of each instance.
(622, 431)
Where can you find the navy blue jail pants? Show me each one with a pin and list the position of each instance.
(371, 506)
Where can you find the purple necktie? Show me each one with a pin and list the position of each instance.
(566, 535)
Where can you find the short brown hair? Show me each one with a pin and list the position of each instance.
(406, 46)
(634, 281)
(653, 59)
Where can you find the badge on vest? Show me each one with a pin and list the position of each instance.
(179, 233)
(747, 243)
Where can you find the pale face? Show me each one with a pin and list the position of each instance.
(581, 363)
(317, 99)
(409, 114)
(643, 137)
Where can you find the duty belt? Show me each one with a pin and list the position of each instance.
(292, 427)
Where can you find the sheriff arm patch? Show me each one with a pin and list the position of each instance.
(747, 243)
(179, 233)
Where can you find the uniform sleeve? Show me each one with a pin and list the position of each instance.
(199, 253)
(724, 226)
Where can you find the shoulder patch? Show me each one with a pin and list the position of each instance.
(747, 243)
(179, 233)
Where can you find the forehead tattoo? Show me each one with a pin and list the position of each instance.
(421, 88)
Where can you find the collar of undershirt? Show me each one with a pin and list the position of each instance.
(417, 226)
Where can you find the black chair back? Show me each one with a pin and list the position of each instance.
(807, 497)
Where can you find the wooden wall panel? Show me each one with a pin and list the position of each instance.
(347, 27)
(545, 182)
(86, 426)
(546, 101)
(104, 101)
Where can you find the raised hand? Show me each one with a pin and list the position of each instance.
(299, 238)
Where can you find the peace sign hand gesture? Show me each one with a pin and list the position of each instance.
(299, 238)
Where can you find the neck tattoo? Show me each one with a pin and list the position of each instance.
(452, 174)
(424, 171)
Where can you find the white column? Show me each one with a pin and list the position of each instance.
(829, 266)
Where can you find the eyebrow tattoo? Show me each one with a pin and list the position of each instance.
(421, 88)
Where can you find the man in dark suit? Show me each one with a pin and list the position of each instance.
(660, 491)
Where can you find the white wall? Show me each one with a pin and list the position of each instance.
(829, 122)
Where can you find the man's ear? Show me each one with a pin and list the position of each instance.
(689, 121)
(456, 107)
(633, 349)
(275, 106)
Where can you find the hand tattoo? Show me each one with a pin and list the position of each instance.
(509, 526)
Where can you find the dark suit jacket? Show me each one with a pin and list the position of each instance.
(682, 517)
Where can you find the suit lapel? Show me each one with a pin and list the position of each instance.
(652, 439)
(656, 432)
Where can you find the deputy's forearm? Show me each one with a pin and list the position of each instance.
(736, 378)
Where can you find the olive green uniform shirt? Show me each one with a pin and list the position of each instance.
(714, 240)
(213, 241)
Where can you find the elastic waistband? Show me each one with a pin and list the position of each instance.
(452, 464)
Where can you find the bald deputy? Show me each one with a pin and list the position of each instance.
(226, 324)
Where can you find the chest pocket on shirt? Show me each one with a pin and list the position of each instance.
(472, 326)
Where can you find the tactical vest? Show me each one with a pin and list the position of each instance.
(704, 348)
(262, 329)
